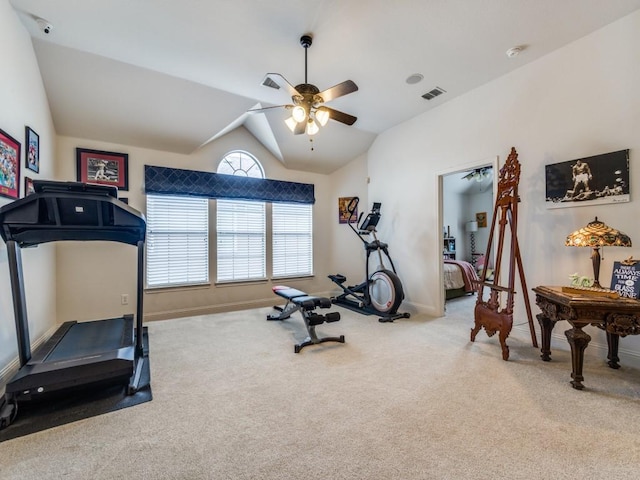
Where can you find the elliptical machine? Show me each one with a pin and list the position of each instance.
(381, 292)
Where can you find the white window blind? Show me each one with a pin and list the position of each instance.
(177, 240)
(241, 248)
(292, 239)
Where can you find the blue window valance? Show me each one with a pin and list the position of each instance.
(175, 181)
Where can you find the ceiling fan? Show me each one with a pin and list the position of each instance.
(307, 107)
(479, 174)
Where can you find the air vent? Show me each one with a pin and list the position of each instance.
(270, 83)
(433, 93)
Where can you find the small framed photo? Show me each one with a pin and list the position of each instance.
(28, 186)
(32, 142)
(9, 166)
(343, 210)
(105, 168)
(481, 218)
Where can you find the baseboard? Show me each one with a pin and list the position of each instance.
(14, 365)
(221, 308)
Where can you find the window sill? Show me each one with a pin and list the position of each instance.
(177, 288)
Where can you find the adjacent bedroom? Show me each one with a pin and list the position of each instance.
(467, 210)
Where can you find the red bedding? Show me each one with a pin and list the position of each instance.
(468, 273)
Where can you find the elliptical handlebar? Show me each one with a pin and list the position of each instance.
(351, 209)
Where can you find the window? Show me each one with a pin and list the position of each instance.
(241, 240)
(177, 240)
(292, 239)
(241, 229)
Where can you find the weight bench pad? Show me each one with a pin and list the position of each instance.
(288, 292)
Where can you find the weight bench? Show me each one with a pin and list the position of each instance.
(298, 300)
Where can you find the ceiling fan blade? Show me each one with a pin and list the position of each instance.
(340, 116)
(258, 110)
(300, 128)
(338, 90)
(277, 81)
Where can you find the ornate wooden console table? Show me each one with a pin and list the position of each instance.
(618, 317)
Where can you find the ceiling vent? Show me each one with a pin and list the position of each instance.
(433, 93)
(270, 83)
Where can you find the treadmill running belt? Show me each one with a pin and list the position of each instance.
(95, 337)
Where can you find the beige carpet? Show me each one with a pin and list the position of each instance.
(412, 399)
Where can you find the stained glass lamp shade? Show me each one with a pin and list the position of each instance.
(596, 235)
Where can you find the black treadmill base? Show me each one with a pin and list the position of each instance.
(36, 416)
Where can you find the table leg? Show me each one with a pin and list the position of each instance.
(546, 327)
(578, 340)
(612, 342)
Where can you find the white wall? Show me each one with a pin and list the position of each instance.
(476, 203)
(23, 102)
(92, 277)
(581, 100)
(347, 251)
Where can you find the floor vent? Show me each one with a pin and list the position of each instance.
(433, 93)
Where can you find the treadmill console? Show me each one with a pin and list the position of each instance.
(44, 186)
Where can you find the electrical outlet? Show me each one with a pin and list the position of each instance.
(124, 299)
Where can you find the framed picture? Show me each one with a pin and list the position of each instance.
(10, 166)
(588, 181)
(481, 218)
(105, 168)
(343, 212)
(32, 144)
(28, 186)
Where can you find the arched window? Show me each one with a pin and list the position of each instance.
(241, 229)
(241, 164)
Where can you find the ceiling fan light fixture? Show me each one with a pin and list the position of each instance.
(322, 116)
(299, 114)
(312, 127)
(291, 123)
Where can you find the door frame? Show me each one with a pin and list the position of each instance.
(491, 161)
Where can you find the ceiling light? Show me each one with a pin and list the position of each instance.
(322, 116)
(312, 127)
(299, 114)
(291, 123)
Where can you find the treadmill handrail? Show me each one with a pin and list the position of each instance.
(57, 216)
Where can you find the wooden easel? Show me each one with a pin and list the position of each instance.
(489, 314)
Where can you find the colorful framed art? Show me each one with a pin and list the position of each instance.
(9, 166)
(105, 168)
(32, 145)
(343, 210)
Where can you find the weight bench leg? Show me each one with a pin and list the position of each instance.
(311, 320)
(285, 312)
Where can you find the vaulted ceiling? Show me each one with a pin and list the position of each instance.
(172, 76)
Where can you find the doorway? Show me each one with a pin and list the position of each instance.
(465, 209)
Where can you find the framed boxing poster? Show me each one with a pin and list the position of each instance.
(588, 181)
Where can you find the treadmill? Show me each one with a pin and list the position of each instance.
(79, 354)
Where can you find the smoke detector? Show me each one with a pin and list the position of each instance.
(515, 51)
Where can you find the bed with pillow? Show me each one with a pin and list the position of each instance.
(458, 277)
